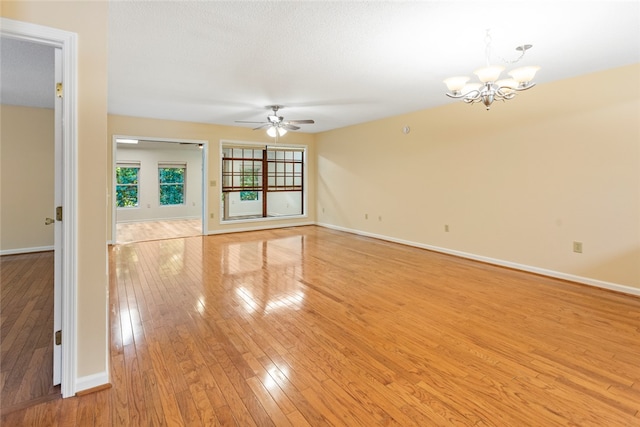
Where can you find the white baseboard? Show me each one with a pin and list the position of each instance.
(26, 250)
(259, 227)
(522, 267)
(91, 381)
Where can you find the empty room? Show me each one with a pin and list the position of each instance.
(320, 213)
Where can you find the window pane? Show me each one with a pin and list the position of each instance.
(126, 196)
(248, 195)
(171, 175)
(127, 187)
(127, 175)
(172, 194)
(171, 185)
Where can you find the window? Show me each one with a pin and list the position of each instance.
(268, 181)
(251, 178)
(284, 170)
(171, 177)
(127, 184)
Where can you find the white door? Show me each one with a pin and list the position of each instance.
(57, 269)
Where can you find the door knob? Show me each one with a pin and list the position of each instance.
(49, 221)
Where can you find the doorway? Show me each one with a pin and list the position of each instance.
(64, 245)
(158, 188)
(31, 239)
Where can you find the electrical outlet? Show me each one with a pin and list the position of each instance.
(446, 228)
(379, 217)
(212, 183)
(366, 216)
(211, 215)
(577, 247)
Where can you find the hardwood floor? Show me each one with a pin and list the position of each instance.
(128, 232)
(26, 355)
(310, 326)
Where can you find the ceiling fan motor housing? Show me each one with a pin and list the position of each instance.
(275, 119)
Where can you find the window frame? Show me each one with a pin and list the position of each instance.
(228, 174)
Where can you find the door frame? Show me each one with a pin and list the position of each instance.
(203, 186)
(68, 43)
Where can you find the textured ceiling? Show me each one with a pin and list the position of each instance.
(26, 74)
(342, 62)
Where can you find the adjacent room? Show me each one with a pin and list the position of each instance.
(158, 188)
(320, 213)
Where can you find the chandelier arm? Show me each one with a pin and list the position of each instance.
(454, 96)
(476, 94)
(525, 87)
(499, 94)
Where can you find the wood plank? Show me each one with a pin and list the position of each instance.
(311, 326)
(26, 353)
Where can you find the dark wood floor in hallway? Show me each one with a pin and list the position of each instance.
(26, 334)
(311, 326)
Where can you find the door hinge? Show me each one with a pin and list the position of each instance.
(59, 90)
(58, 337)
(59, 213)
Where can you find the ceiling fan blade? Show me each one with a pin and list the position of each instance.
(287, 126)
(263, 126)
(245, 121)
(300, 122)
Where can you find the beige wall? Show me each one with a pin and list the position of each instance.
(143, 127)
(89, 20)
(520, 183)
(27, 176)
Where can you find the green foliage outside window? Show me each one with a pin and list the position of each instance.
(248, 195)
(171, 185)
(249, 179)
(126, 187)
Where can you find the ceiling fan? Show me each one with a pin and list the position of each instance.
(277, 126)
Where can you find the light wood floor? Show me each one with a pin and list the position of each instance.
(310, 326)
(127, 232)
(26, 355)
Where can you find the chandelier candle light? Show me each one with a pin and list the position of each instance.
(490, 88)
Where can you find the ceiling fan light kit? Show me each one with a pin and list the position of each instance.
(490, 88)
(274, 131)
(276, 125)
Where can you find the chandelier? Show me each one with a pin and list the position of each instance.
(491, 89)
